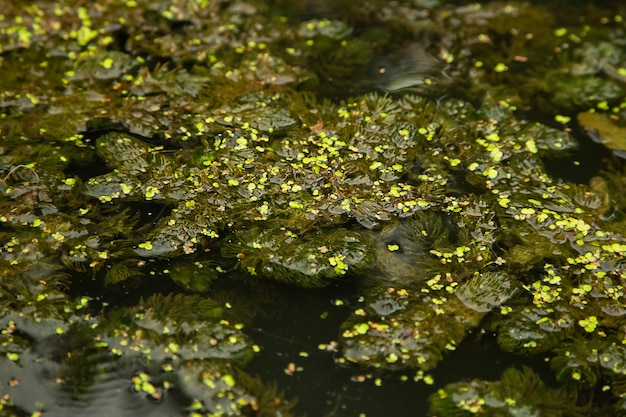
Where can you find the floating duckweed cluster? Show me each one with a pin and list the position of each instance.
(402, 328)
(286, 257)
(519, 392)
(404, 149)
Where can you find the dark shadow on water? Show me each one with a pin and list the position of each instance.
(583, 164)
(325, 388)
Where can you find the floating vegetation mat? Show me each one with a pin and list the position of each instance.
(165, 164)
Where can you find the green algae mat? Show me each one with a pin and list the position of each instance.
(429, 176)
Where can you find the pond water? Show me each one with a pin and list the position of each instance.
(320, 208)
(325, 389)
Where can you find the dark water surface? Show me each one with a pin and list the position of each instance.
(325, 388)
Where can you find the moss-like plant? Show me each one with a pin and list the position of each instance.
(403, 328)
(147, 145)
(312, 260)
(519, 392)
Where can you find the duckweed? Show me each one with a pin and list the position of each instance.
(168, 150)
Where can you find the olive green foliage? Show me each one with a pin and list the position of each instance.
(404, 146)
(605, 130)
(403, 249)
(518, 393)
(308, 261)
(411, 328)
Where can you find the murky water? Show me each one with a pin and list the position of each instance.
(297, 334)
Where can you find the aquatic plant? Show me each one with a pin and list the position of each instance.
(175, 351)
(519, 392)
(171, 146)
(312, 260)
(403, 249)
(413, 328)
(603, 129)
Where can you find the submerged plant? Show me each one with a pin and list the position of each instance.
(413, 328)
(519, 392)
(312, 260)
(178, 146)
